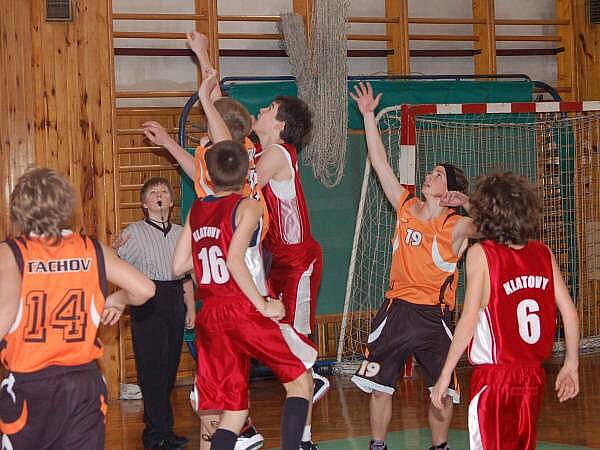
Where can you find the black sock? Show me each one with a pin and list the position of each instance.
(223, 440)
(295, 410)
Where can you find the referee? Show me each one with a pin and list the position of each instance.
(157, 326)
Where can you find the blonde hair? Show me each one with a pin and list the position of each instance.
(42, 203)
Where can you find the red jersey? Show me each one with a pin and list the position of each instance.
(212, 223)
(288, 213)
(518, 324)
(63, 289)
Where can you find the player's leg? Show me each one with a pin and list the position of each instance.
(230, 425)
(432, 337)
(377, 375)
(290, 355)
(85, 397)
(528, 395)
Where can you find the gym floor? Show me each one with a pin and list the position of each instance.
(341, 419)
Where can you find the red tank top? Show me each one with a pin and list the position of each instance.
(289, 219)
(517, 326)
(212, 223)
(63, 289)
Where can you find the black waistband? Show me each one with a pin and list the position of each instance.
(52, 371)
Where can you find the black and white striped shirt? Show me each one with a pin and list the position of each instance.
(150, 248)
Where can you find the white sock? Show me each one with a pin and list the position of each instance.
(306, 435)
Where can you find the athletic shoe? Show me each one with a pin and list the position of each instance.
(177, 441)
(372, 447)
(442, 446)
(321, 386)
(308, 445)
(249, 439)
(130, 392)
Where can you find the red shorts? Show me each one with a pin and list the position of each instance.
(505, 404)
(228, 336)
(296, 276)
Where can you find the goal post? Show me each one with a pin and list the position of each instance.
(555, 144)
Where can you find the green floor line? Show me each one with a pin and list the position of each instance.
(420, 438)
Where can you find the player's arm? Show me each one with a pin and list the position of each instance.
(217, 128)
(10, 289)
(376, 150)
(464, 230)
(136, 288)
(476, 296)
(190, 304)
(199, 44)
(156, 134)
(182, 257)
(247, 217)
(272, 165)
(567, 380)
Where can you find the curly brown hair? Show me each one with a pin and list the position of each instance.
(42, 203)
(505, 208)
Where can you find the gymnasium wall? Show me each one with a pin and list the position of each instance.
(179, 73)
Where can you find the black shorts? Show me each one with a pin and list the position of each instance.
(401, 329)
(56, 408)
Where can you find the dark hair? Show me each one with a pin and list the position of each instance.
(227, 164)
(42, 203)
(455, 178)
(155, 181)
(236, 117)
(505, 208)
(298, 120)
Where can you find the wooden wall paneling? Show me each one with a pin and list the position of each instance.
(304, 8)
(587, 53)
(566, 62)
(210, 27)
(485, 62)
(399, 62)
(17, 139)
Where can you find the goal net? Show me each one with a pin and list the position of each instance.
(554, 144)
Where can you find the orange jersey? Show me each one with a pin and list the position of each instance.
(63, 289)
(424, 266)
(204, 186)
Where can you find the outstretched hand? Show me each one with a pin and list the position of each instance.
(452, 199)
(197, 41)
(364, 98)
(156, 133)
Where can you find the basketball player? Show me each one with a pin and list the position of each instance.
(226, 119)
(237, 322)
(53, 296)
(509, 318)
(429, 239)
(296, 257)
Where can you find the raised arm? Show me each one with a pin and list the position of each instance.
(156, 134)
(567, 380)
(217, 128)
(10, 289)
(247, 216)
(367, 105)
(199, 44)
(476, 296)
(182, 257)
